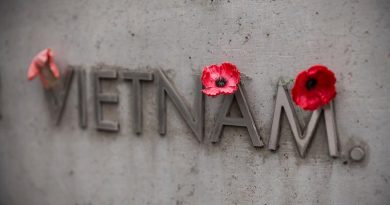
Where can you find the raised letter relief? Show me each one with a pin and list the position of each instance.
(245, 121)
(1, 97)
(136, 78)
(302, 140)
(58, 94)
(104, 125)
(194, 120)
(82, 93)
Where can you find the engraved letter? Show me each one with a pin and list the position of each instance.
(245, 121)
(302, 140)
(1, 98)
(100, 98)
(58, 95)
(136, 79)
(194, 121)
(82, 93)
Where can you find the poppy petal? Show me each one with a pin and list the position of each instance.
(230, 73)
(227, 75)
(325, 78)
(42, 57)
(37, 63)
(41, 60)
(209, 75)
(324, 90)
(228, 90)
(53, 67)
(33, 71)
(309, 102)
(213, 91)
(326, 95)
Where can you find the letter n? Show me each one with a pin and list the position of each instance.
(302, 139)
(194, 120)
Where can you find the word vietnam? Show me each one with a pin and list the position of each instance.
(192, 116)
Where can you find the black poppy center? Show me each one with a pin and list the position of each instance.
(311, 83)
(220, 82)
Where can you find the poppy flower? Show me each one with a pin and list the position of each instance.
(314, 87)
(221, 79)
(44, 60)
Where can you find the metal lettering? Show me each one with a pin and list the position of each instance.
(82, 94)
(58, 94)
(194, 120)
(100, 98)
(302, 139)
(136, 78)
(1, 97)
(245, 121)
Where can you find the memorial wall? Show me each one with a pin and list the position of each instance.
(194, 102)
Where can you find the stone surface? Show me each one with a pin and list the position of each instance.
(41, 164)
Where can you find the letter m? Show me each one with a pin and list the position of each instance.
(304, 138)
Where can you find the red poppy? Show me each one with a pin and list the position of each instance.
(314, 87)
(43, 60)
(221, 79)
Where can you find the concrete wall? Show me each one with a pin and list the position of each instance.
(42, 164)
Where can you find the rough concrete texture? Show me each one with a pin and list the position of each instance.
(41, 164)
